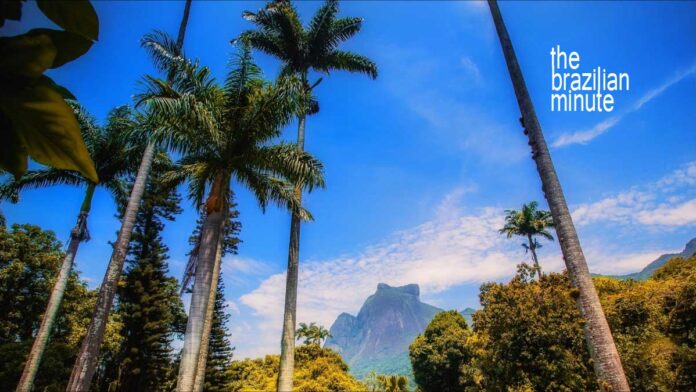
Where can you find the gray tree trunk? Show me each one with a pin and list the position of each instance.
(287, 342)
(199, 382)
(606, 360)
(86, 363)
(77, 235)
(210, 237)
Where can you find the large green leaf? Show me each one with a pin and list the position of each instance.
(47, 128)
(69, 46)
(27, 55)
(30, 54)
(77, 16)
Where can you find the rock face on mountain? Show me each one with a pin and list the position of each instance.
(378, 338)
(688, 251)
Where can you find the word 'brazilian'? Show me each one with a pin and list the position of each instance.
(574, 91)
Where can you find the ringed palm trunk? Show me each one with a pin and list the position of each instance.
(606, 360)
(211, 233)
(86, 363)
(532, 249)
(287, 342)
(77, 235)
(199, 381)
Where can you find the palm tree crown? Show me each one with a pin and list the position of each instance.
(312, 333)
(224, 132)
(530, 223)
(281, 34)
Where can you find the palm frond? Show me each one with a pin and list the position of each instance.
(319, 30)
(243, 69)
(165, 53)
(35, 179)
(267, 43)
(286, 160)
(347, 61)
(269, 189)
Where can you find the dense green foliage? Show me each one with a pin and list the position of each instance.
(316, 370)
(441, 354)
(29, 261)
(312, 333)
(386, 382)
(148, 299)
(528, 335)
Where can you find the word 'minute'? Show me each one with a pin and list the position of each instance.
(582, 91)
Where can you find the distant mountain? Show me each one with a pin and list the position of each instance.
(468, 314)
(378, 338)
(689, 250)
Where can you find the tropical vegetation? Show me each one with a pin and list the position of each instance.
(564, 331)
(280, 33)
(529, 222)
(528, 335)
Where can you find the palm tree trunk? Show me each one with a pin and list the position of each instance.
(287, 341)
(207, 250)
(86, 363)
(184, 23)
(606, 360)
(199, 381)
(77, 235)
(532, 249)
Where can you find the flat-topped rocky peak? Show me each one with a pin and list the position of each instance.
(412, 289)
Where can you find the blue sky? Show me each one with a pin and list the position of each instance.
(422, 162)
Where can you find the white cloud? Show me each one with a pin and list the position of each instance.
(653, 204)
(439, 254)
(471, 68)
(583, 137)
(451, 106)
(456, 247)
(670, 215)
(244, 265)
(232, 307)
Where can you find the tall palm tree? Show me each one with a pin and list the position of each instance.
(86, 363)
(606, 360)
(112, 155)
(223, 133)
(280, 33)
(199, 378)
(529, 222)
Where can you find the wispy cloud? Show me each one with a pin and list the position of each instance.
(439, 254)
(452, 249)
(585, 136)
(450, 106)
(458, 246)
(670, 201)
(471, 68)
